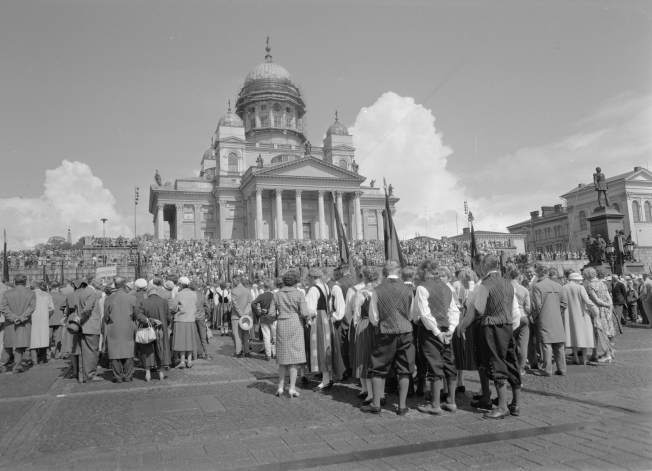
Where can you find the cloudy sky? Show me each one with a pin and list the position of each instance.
(504, 104)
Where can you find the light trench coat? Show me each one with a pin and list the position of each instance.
(40, 336)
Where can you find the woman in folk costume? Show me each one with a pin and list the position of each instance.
(464, 338)
(365, 334)
(40, 335)
(222, 309)
(323, 357)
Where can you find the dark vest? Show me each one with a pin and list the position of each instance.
(439, 300)
(394, 302)
(499, 301)
(345, 283)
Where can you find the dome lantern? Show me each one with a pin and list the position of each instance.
(337, 128)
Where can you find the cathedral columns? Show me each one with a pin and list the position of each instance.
(322, 218)
(160, 231)
(198, 221)
(299, 215)
(379, 224)
(358, 216)
(179, 221)
(259, 213)
(339, 205)
(223, 232)
(365, 224)
(279, 213)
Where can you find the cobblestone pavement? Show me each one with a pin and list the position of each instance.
(222, 414)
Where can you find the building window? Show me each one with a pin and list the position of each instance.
(253, 122)
(277, 121)
(263, 121)
(344, 164)
(582, 221)
(647, 209)
(617, 207)
(288, 122)
(636, 211)
(233, 162)
(283, 158)
(207, 216)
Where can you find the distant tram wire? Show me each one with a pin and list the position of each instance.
(437, 86)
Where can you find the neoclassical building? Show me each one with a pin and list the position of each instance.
(262, 179)
(559, 229)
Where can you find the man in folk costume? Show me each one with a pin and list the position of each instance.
(437, 316)
(17, 306)
(407, 275)
(390, 310)
(339, 294)
(120, 328)
(497, 307)
(324, 357)
(56, 324)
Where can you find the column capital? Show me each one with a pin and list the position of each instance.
(379, 211)
(160, 206)
(278, 191)
(358, 194)
(258, 191)
(222, 203)
(365, 210)
(298, 193)
(179, 207)
(197, 207)
(321, 193)
(339, 193)
(248, 198)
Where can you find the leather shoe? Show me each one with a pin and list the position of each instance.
(560, 373)
(382, 401)
(371, 409)
(481, 405)
(367, 402)
(236, 355)
(362, 395)
(460, 390)
(513, 410)
(402, 412)
(496, 414)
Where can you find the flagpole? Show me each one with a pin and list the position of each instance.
(5, 261)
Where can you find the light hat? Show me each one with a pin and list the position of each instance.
(575, 277)
(169, 285)
(140, 283)
(184, 281)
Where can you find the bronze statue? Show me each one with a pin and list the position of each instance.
(619, 247)
(391, 190)
(157, 179)
(308, 148)
(601, 186)
(355, 167)
(373, 182)
(259, 161)
(600, 249)
(589, 248)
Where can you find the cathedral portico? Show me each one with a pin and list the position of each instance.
(262, 179)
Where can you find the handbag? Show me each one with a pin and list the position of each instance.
(146, 335)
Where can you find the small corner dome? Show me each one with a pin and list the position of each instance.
(338, 129)
(209, 154)
(230, 119)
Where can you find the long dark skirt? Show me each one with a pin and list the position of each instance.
(463, 348)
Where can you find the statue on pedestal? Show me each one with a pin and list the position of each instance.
(601, 186)
(391, 190)
(373, 182)
(157, 179)
(600, 249)
(308, 147)
(259, 161)
(589, 248)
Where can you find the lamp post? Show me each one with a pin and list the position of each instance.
(136, 195)
(104, 239)
(610, 255)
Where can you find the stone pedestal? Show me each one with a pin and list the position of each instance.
(605, 222)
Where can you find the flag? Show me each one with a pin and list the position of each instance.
(63, 277)
(208, 274)
(5, 261)
(46, 278)
(228, 270)
(276, 271)
(392, 246)
(341, 238)
(474, 247)
(251, 268)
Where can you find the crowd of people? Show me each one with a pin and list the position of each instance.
(392, 328)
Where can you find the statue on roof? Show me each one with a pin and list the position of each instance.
(391, 190)
(601, 186)
(355, 167)
(308, 147)
(373, 182)
(157, 179)
(259, 161)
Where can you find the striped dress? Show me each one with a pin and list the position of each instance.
(365, 334)
(289, 310)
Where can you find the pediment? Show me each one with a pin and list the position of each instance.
(308, 167)
(643, 175)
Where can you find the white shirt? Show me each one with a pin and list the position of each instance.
(480, 304)
(421, 310)
(312, 297)
(339, 306)
(350, 308)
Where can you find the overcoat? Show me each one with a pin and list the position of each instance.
(18, 303)
(40, 336)
(548, 303)
(120, 324)
(577, 319)
(154, 308)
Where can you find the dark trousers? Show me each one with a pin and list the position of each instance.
(497, 353)
(620, 311)
(342, 331)
(534, 346)
(55, 340)
(123, 369)
(632, 313)
(202, 337)
(90, 355)
(38, 355)
(17, 355)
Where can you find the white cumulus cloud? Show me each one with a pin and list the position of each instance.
(397, 139)
(73, 197)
